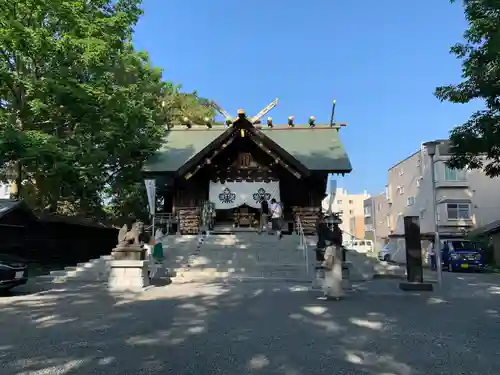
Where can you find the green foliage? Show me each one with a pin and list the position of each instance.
(177, 105)
(476, 144)
(80, 109)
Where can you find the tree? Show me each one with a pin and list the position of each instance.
(127, 192)
(59, 64)
(80, 109)
(476, 144)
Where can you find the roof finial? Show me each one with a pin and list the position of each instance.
(333, 113)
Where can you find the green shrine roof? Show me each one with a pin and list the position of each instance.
(317, 148)
(180, 146)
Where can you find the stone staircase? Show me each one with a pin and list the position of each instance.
(252, 256)
(91, 271)
(237, 256)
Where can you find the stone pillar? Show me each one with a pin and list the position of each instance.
(128, 275)
(128, 269)
(128, 252)
(414, 272)
(413, 249)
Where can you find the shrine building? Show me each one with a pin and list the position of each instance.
(235, 165)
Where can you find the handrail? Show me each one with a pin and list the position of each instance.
(303, 243)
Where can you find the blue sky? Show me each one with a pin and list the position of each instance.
(381, 60)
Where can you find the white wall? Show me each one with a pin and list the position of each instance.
(5, 191)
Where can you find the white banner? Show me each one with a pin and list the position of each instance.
(328, 204)
(151, 192)
(235, 194)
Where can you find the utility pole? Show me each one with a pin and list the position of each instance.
(431, 151)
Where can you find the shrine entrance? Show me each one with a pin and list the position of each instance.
(237, 204)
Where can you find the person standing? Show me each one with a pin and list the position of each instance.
(431, 250)
(276, 217)
(264, 214)
(332, 287)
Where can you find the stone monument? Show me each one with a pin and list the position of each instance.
(414, 272)
(128, 267)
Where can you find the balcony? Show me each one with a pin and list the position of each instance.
(450, 184)
(450, 178)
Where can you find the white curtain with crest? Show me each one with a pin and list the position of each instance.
(235, 194)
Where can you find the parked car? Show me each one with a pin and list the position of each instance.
(394, 252)
(361, 246)
(13, 272)
(461, 255)
(385, 253)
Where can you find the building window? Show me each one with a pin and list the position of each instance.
(351, 202)
(379, 206)
(351, 212)
(368, 211)
(436, 172)
(422, 214)
(458, 211)
(410, 201)
(387, 193)
(401, 190)
(388, 221)
(454, 174)
(339, 202)
(418, 162)
(419, 181)
(401, 172)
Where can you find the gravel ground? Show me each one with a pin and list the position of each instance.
(254, 327)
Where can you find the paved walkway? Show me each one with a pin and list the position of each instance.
(254, 328)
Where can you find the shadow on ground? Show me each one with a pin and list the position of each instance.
(247, 328)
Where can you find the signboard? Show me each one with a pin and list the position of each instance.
(151, 192)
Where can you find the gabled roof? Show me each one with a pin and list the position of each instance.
(317, 148)
(180, 146)
(9, 205)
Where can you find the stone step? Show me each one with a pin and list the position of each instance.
(58, 273)
(44, 278)
(217, 273)
(70, 268)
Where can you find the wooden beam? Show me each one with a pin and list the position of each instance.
(209, 160)
(277, 159)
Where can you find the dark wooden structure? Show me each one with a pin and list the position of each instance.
(51, 239)
(69, 240)
(15, 218)
(300, 157)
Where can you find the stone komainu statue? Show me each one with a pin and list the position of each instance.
(130, 237)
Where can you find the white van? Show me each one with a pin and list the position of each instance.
(361, 246)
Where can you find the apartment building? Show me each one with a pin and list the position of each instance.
(376, 211)
(351, 208)
(465, 199)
